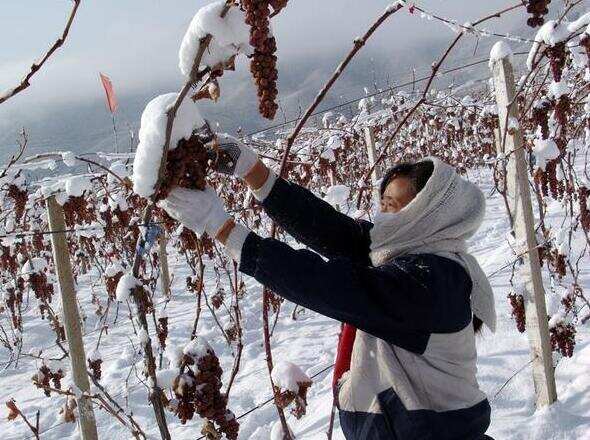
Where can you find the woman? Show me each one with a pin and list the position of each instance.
(405, 281)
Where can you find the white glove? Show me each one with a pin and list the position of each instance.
(201, 211)
(234, 157)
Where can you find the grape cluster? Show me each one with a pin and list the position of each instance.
(232, 332)
(569, 300)
(583, 194)
(194, 284)
(547, 180)
(562, 108)
(563, 338)
(162, 330)
(41, 379)
(273, 302)
(77, 211)
(188, 240)
(198, 389)
(56, 378)
(517, 304)
(540, 116)
(38, 243)
(263, 63)
(58, 328)
(41, 287)
(20, 197)
(538, 8)
(558, 263)
(13, 299)
(286, 397)
(557, 58)
(8, 260)
(186, 166)
(95, 366)
(218, 297)
(44, 375)
(111, 284)
(585, 43)
(184, 391)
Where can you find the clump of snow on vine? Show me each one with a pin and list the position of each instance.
(545, 150)
(197, 348)
(230, 36)
(337, 195)
(152, 135)
(125, 287)
(551, 33)
(287, 376)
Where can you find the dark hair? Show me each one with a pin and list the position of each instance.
(417, 172)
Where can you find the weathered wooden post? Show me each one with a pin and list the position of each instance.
(71, 317)
(372, 155)
(519, 200)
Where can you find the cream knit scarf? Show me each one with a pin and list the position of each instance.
(439, 220)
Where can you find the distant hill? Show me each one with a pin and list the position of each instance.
(87, 126)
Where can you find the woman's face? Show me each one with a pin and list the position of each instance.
(398, 193)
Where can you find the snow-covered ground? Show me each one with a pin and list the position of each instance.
(309, 342)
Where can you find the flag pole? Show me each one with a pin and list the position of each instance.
(115, 131)
(112, 103)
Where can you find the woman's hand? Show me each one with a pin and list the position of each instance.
(233, 157)
(200, 211)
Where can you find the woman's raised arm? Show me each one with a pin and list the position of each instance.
(309, 219)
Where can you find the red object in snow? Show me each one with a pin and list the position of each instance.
(108, 88)
(344, 353)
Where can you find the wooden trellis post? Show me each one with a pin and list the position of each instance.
(519, 200)
(372, 154)
(71, 317)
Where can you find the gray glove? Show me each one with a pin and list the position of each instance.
(232, 156)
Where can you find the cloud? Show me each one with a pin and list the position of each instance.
(136, 43)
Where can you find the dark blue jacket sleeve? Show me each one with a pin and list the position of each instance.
(401, 303)
(316, 224)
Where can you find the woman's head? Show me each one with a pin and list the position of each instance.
(402, 182)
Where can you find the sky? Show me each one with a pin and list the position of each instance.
(136, 43)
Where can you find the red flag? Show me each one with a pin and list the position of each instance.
(108, 88)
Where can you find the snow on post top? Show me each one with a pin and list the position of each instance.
(499, 51)
(152, 135)
(230, 36)
(287, 376)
